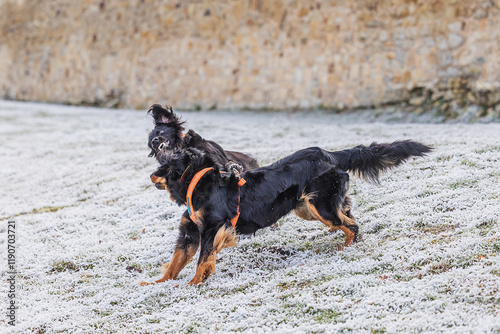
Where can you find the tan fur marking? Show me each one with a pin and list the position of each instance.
(334, 228)
(204, 269)
(307, 197)
(199, 215)
(160, 182)
(225, 238)
(157, 179)
(328, 223)
(349, 239)
(180, 259)
(345, 219)
(184, 221)
(303, 210)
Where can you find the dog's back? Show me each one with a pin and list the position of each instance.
(314, 183)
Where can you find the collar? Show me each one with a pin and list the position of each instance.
(192, 185)
(183, 174)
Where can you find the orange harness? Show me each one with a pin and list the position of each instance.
(197, 177)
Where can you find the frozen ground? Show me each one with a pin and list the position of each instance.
(76, 181)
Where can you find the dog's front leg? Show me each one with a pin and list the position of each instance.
(186, 247)
(212, 242)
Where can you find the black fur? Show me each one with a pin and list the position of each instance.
(168, 135)
(312, 181)
(369, 162)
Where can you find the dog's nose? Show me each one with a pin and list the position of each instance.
(155, 140)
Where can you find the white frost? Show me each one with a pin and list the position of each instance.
(76, 181)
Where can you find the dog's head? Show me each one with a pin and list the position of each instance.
(167, 134)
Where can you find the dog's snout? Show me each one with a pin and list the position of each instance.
(155, 140)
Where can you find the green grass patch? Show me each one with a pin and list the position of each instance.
(444, 158)
(154, 321)
(469, 163)
(437, 229)
(326, 316)
(48, 209)
(463, 184)
(488, 149)
(58, 267)
(98, 183)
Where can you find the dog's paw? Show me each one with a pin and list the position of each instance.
(146, 283)
(233, 167)
(194, 282)
(198, 280)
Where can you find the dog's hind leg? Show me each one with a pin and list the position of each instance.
(349, 226)
(185, 249)
(332, 220)
(331, 205)
(213, 241)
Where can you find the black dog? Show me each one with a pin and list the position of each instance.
(313, 182)
(168, 135)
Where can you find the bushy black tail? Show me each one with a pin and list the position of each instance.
(369, 162)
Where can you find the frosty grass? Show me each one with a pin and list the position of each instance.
(76, 181)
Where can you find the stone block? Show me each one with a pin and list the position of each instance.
(245, 56)
(455, 40)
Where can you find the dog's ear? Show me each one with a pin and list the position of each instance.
(163, 115)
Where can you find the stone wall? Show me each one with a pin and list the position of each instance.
(252, 54)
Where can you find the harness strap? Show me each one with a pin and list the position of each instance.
(192, 185)
(197, 177)
(234, 220)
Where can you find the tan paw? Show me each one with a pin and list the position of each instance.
(196, 281)
(146, 283)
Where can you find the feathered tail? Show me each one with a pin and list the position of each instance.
(369, 162)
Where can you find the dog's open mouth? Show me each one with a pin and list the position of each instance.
(163, 145)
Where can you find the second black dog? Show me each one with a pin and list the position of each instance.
(168, 135)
